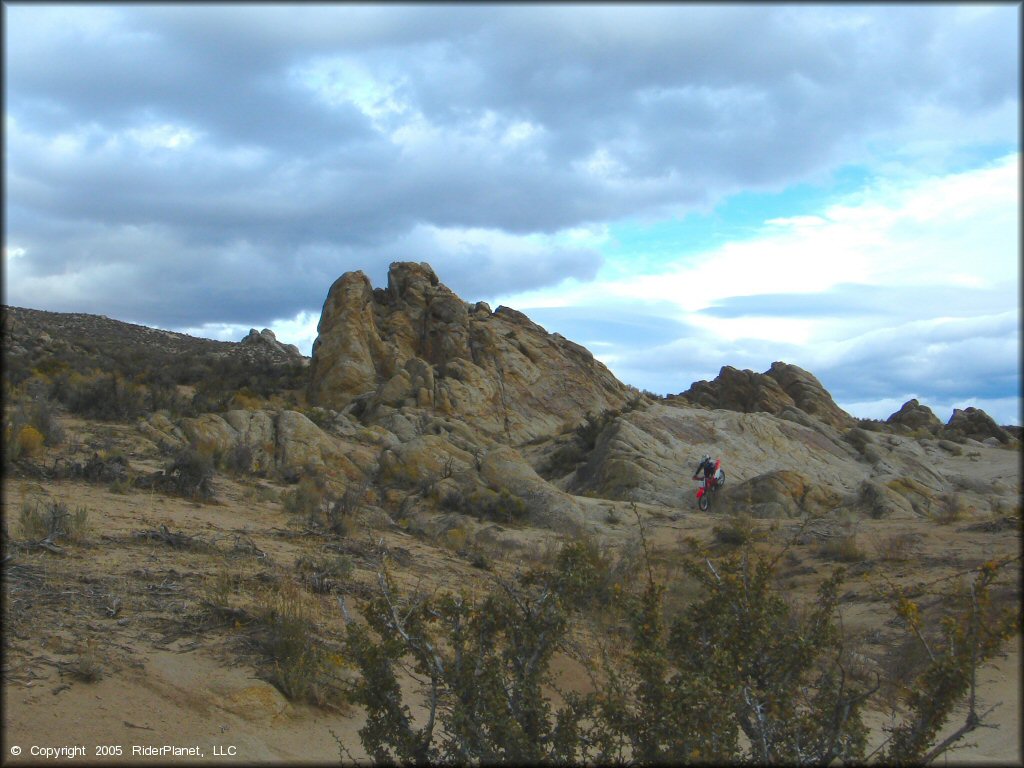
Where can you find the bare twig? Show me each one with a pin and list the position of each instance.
(973, 721)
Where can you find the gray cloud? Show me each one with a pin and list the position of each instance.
(517, 120)
(865, 301)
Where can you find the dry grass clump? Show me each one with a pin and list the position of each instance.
(895, 548)
(286, 621)
(51, 520)
(843, 548)
(324, 573)
(282, 622)
(86, 666)
(951, 508)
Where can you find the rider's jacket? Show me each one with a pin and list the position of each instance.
(707, 466)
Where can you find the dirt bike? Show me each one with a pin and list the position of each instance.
(709, 485)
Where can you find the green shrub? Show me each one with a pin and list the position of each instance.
(737, 530)
(108, 398)
(190, 474)
(739, 676)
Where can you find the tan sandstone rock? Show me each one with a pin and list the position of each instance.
(416, 344)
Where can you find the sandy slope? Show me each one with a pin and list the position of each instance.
(169, 680)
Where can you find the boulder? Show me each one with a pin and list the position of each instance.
(210, 433)
(256, 431)
(301, 445)
(782, 493)
(504, 469)
(879, 501)
(974, 424)
(808, 394)
(913, 416)
(778, 390)
(739, 390)
(162, 431)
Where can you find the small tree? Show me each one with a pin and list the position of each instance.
(738, 660)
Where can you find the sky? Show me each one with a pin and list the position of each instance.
(676, 187)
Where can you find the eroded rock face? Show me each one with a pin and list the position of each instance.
(782, 387)
(285, 442)
(808, 394)
(266, 340)
(915, 416)
(779, 494)
(416, 345)
(975, 424)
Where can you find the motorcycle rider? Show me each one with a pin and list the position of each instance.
(707, 466)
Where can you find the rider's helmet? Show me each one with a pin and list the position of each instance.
(704, 458)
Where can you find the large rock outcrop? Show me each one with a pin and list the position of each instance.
(266, 340)
(782, 387)
(914, 416)
(975, 424)
(415, 345)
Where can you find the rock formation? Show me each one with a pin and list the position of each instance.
(975, 424)
(781, 387)
(415, 345)
(915, 416)
(267, 340)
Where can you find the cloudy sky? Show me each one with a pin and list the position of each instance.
(677, 187)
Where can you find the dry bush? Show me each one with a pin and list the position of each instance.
(307, 499)
(286, 622)
(53, 521)
(737, 530)
(951, 508)
(325, 572)
(238, 460)
(843, 548)
(29, 441)
(86, 666)
(895, 548)
(29, 428)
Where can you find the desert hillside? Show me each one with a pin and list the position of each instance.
(191, 527)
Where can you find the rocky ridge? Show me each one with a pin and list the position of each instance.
(267, 340)
(416, 345)
(423, 403)
(781, 389)
(29, 332)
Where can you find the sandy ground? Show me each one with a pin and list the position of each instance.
(170, 680)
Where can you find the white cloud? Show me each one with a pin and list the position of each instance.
(162, 136)
(911, 250)
(299, 330)
(958, 229)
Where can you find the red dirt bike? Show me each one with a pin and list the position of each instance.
(709, 485)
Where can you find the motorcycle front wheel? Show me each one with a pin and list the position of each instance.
(703, 502)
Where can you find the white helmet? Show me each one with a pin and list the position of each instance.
(704, 458)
